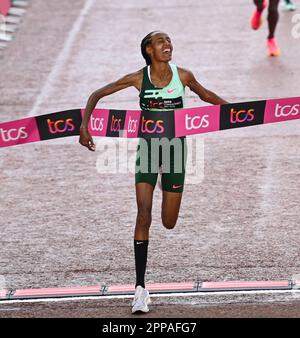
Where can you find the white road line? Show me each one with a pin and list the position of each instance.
(158, 295)
(61, 59)
(9, 309)
(268, 199)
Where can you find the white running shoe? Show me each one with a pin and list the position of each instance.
(141, 300)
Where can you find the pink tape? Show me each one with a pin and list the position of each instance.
(191, 121)
(282, 110)
(19, 132)
(136, 123)
(98, 122)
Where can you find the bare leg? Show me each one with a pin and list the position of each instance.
(144, 197)
(170, 208)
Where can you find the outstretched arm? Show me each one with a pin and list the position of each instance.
(206, 95)
(126, 81)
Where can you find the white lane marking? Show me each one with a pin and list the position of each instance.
(158, 295)
(61, 59)
(9, 309)
(268, 199)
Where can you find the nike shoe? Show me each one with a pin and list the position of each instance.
(289, 5)
(273, 49)
(141, 300)
(256, 18)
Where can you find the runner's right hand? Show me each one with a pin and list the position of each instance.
(86, 139)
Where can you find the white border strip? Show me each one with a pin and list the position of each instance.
(61, 59)
(158, 295)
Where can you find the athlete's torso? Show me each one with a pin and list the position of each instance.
(167, 98)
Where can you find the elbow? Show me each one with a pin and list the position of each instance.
(94, 97)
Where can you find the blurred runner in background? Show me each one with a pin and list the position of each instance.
(289, 5)
(273, 17)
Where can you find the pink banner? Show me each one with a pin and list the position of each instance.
(4, 6)
(132, 123)
(19, 132)
(191, 121)
(135, 123)
(282, 110)
(98, 121)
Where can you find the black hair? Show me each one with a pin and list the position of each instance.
(145, 42)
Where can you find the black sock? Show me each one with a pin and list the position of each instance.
(140, 254)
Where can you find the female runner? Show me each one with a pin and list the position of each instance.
(161, 86)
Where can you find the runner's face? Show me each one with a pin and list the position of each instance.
(161, 47)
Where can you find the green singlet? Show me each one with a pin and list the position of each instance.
(167, 156)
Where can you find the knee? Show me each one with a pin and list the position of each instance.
(144, 218)
(168, 223)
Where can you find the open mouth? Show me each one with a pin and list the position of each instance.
(167, 51)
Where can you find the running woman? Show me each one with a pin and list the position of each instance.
(161, 77)
(273, 17)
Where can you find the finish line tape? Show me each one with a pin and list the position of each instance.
(144, 124)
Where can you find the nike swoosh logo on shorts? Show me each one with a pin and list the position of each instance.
(171, 90)
(176, 186)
